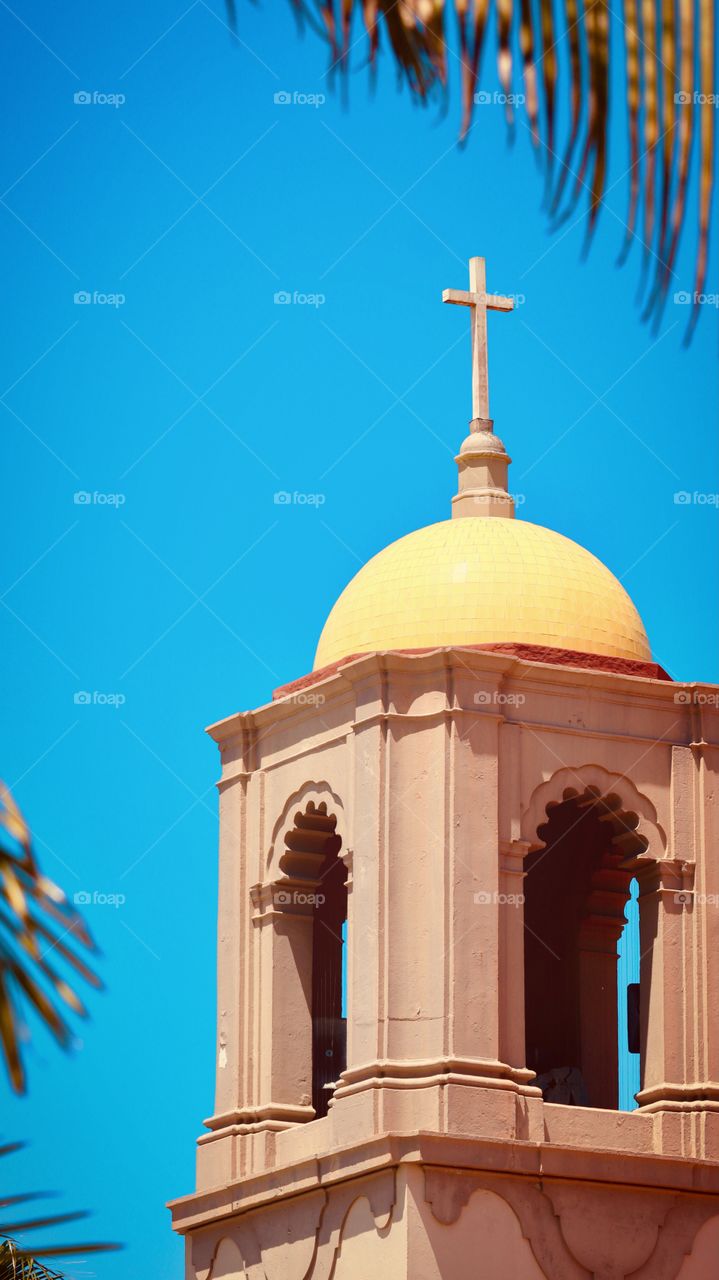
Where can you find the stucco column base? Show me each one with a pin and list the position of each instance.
(448, 1103)
(686, 1125)
(418, 1073)
(385, 1099)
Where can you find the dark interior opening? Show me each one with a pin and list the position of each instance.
(576, 889)
(329, 1026)
(316, 875)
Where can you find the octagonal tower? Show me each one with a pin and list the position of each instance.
(426, 851)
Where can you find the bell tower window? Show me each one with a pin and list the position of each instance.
(577, 887)
(329, 1022)
(313, 892)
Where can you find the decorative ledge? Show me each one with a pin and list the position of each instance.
(528, 652)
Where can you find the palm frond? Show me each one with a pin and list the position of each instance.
(634, 102)
(526, 44)
(548, 62)
(574, 28)
(36, 922)
(14, 1265)
(667, 101)
(20, 1260)
(707, 108)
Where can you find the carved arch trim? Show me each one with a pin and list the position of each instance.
(448, 1192)
(313, 794)
(314, 1224)
(571, 783)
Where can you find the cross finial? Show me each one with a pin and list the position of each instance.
(479, 302)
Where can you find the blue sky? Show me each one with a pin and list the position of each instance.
(190, 593)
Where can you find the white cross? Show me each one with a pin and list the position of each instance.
(480, 303)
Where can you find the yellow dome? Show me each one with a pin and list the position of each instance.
(483, 580)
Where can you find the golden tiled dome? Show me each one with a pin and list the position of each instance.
(483, 580)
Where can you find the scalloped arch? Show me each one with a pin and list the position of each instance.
(309, 792)
(593, 775)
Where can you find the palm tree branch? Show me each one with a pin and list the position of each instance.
(660, 38)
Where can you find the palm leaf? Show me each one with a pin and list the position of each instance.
(549, 80)
(26, 976)
(504, 53)
(23, 1258)
(634, 94)
(705, 40)
(526, 44)
(36, 922)
(14, 1265)
(686, 72)
(573, 25)
(664, 91)
(18, 1260)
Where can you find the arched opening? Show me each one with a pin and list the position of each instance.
(329, 1022)
(628, 986)
(576, 890)
(316, 883)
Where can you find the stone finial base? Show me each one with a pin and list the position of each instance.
(483, 464)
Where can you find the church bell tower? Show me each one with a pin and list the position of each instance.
(427, 847)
